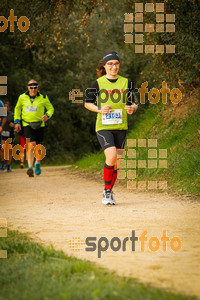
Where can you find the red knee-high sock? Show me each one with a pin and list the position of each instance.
(22, 140)
(108, 174)
(114, 178)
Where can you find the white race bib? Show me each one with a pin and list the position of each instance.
(31, 108)
(6, 133)
(113, 117)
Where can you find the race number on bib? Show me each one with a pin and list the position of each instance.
(31, 108)
(113, 117)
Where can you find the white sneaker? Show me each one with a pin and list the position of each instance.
(113, 200)
(108, 197)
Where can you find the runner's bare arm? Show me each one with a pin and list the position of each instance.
(17, 127)
(4, 121)
(45, 118)
(94, 108)
(131, 108)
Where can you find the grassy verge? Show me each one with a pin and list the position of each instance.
(32, 271)
(91, 162)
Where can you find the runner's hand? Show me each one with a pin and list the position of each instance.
(105, 109)
(131, 108)
(45, 118)
(17, 127)
(11, 124)
(1, 129)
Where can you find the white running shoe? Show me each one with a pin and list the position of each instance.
(108, 197)
(113, 200)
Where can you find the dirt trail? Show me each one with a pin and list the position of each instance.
(60, 205)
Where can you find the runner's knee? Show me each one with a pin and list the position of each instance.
(111, 158)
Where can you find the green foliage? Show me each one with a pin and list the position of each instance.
(183, 67)
(61, 50)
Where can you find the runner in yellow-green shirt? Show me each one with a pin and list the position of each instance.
(34, 109)
(115, 98)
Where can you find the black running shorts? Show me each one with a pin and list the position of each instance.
(111, 138)
(34, 135)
